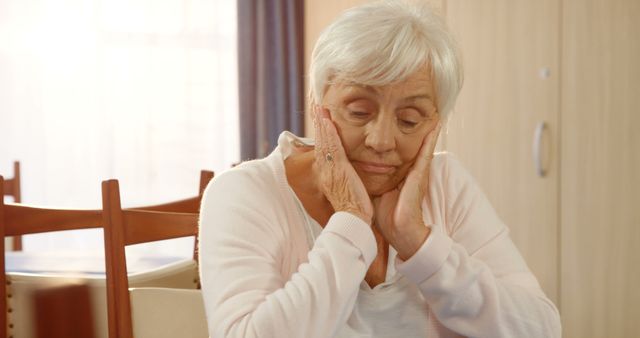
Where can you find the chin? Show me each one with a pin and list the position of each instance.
(377, 186)
(377, 192)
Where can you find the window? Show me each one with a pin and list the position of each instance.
(139, 90)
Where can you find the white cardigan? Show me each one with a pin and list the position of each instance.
(262, 278)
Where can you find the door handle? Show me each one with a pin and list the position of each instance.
(537, 148)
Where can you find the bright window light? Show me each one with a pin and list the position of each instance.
(138, 90)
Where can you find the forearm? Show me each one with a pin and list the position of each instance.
(468, 297)
(246, 296)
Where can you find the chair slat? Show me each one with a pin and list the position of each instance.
(188, 205)
(23, 219)
(150, 226)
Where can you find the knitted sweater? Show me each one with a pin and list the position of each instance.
(266, 273)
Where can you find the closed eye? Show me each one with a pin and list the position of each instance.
(407, 123)
(359, 114)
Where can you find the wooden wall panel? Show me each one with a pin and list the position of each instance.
(511, 59)
(600, 212)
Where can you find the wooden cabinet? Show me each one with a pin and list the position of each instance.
(511, 60)
(600, 175)
(573, 65)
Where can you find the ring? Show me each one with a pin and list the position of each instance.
(328, 157)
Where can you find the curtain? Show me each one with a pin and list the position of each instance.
(271, 73)
(141, 91)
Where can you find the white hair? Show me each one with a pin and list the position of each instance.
(384, 42)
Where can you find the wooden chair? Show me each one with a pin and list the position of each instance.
(188, 205)
(17, 219)
(12, 188)
(127, 227)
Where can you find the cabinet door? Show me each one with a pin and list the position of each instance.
(510, 52)
(600, 181)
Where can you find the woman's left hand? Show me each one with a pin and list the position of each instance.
(398, 213)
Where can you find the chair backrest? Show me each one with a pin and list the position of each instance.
(188, 205)
(12, 188)
(16, 219)
(127, 227)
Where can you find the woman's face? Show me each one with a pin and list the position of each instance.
(382, 128)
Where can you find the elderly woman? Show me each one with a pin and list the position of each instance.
(366, 232)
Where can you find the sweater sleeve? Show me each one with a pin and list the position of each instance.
(476, 282)
(242, 249)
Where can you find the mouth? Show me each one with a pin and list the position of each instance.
(374, 167)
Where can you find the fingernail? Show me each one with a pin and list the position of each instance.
(325, 113)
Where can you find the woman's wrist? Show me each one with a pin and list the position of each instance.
(408, 242)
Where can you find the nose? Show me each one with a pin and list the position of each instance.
(381, 135)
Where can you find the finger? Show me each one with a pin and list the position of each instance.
(419, 174)
(334, 143)
(425, 154)
(323, 116)
(315, 116)
(325, 113)
(320, 144)
(330, 147)
(315, 119)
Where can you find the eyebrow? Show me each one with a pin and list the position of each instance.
(374, 90)
(418, 97)
(368, 88)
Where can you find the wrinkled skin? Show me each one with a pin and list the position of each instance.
(383, 139)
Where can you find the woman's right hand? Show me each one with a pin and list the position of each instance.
(338, 180)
